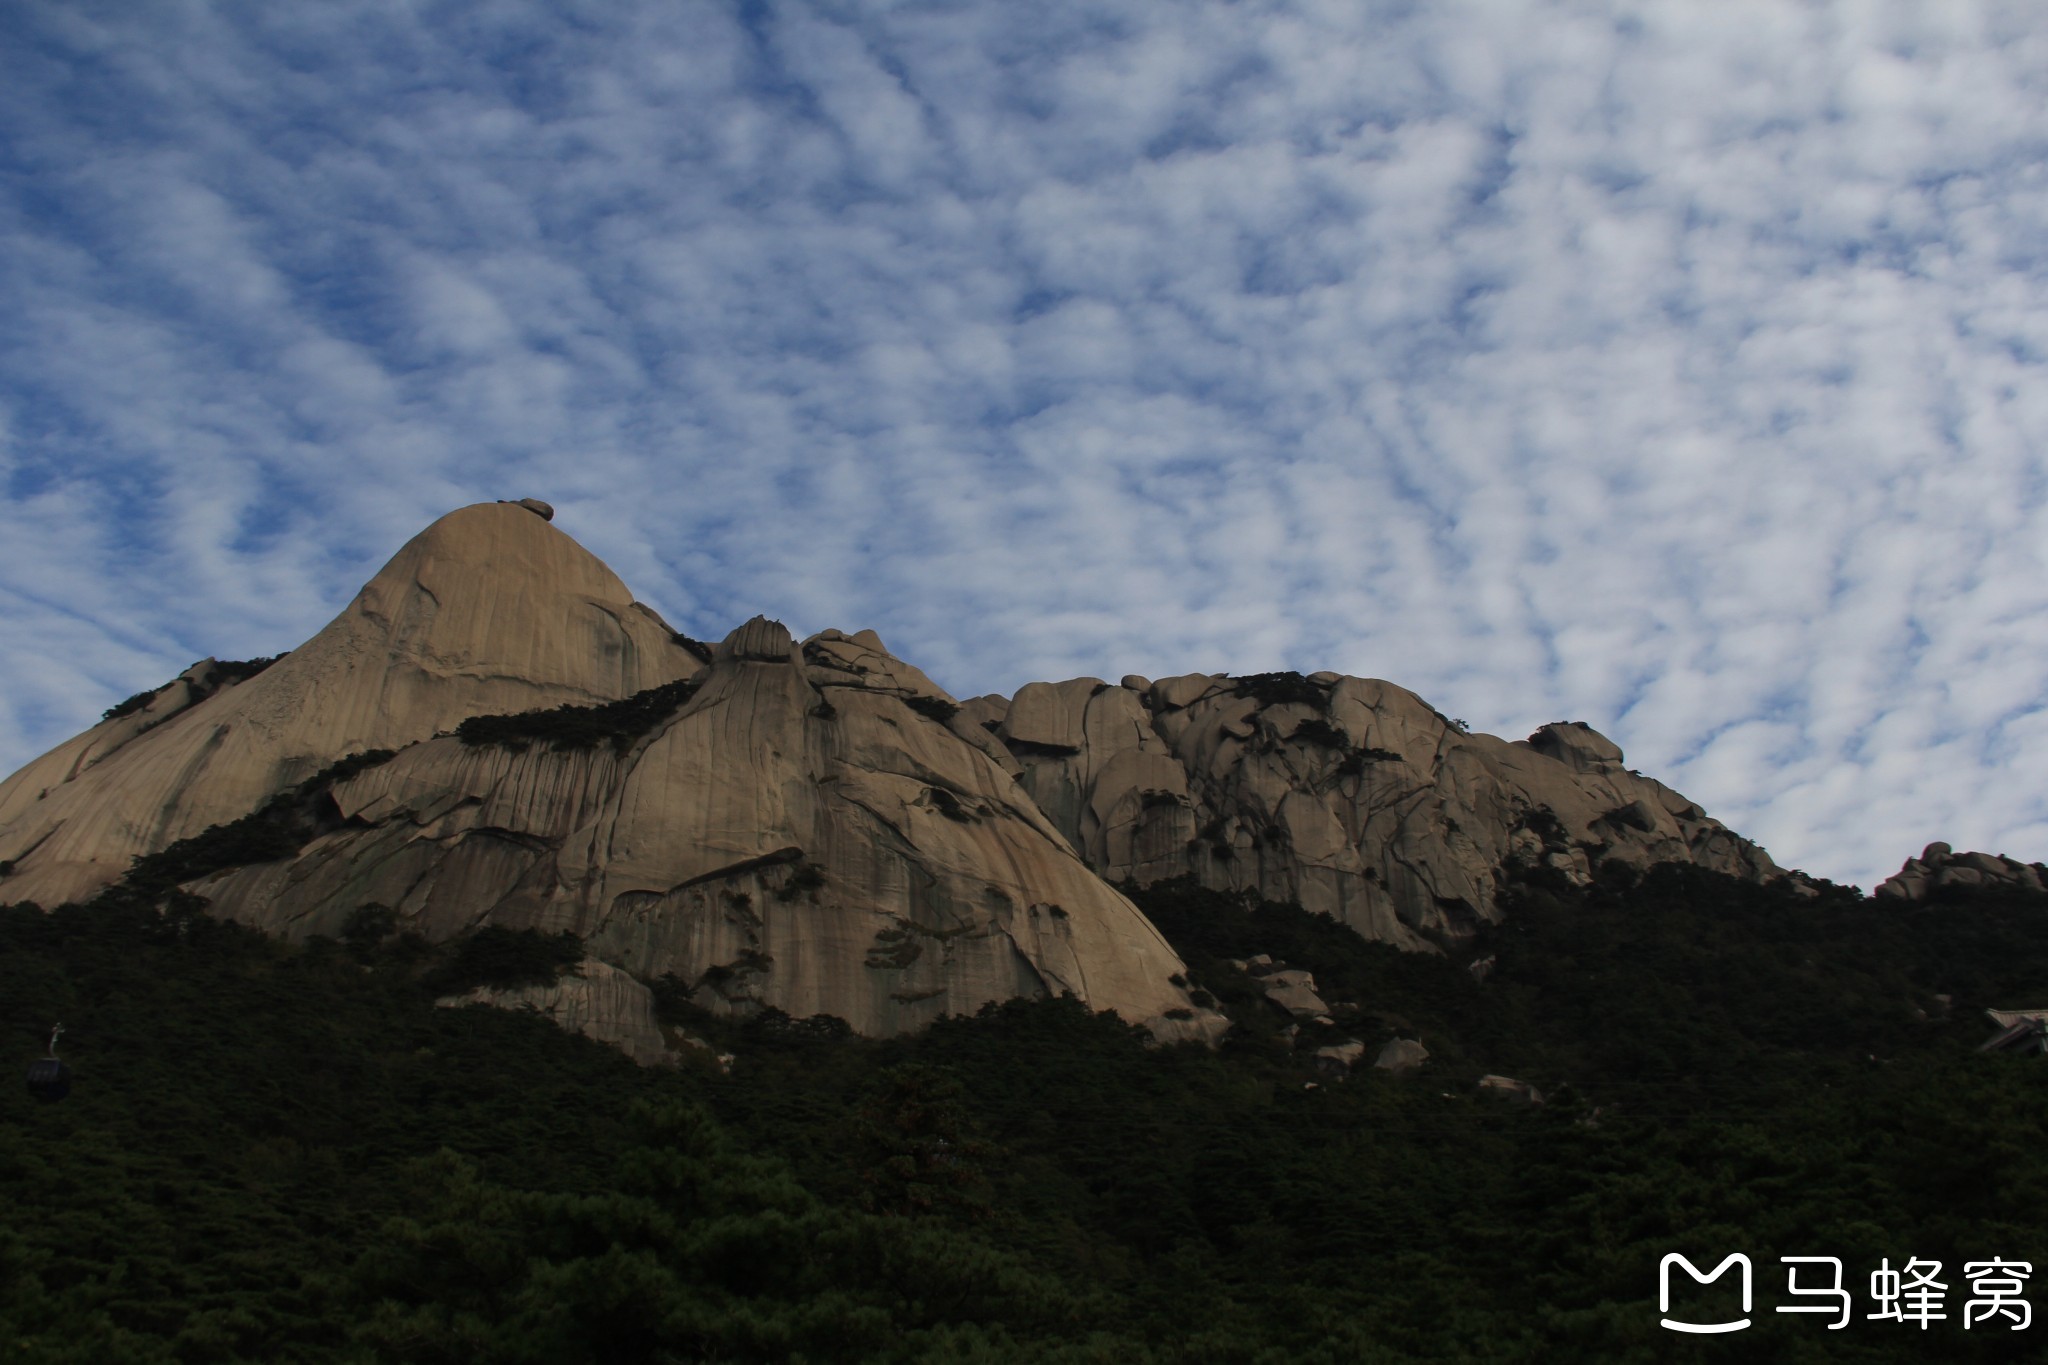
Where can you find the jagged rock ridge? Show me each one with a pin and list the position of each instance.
(818, 828)
(1940, 867)
(1351, 796)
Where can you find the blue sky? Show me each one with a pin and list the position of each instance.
(1674, 367)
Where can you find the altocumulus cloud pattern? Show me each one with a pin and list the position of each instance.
(1677, 368)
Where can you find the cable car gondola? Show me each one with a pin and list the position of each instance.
(48, 1078)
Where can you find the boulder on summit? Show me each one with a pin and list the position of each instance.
(1940, 867)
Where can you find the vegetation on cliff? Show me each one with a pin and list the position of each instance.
(617, 723)
(276, 830)
(219, 674)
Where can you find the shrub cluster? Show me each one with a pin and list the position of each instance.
(616, 723)
(274, 1154)
(1355, 761)
(223, 672)
(1319, 732)
(807, 877)
(226, 671)
(504, 959)
(937, 708)
(276, 830)
(1277, 689)
(131, 705)
(696, 649)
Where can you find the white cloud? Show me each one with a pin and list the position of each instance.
(1673, 367)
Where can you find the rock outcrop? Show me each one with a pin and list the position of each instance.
(1508, 1088)
(817, 828)
(1401, 1054)
(1340, 1058)
(596, 1000)
(489, 609)
(1940, 866)
(1294, 990)
(805, 832)
(1351, 796)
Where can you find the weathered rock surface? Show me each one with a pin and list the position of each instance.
(1294, 990)
(1349, 795)
(1507, 1087)
(490, 609)
(807, 832)
(1340, 1057)
(1204, 1026)
(1941, 866)
(1401, 1054)
(596, 1000)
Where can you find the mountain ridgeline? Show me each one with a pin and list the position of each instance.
(873, 982)
(494, 734)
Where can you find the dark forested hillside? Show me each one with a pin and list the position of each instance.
(280, 1153)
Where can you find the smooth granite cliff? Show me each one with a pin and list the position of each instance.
(489, 609)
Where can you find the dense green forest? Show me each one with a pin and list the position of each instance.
(287, 1153)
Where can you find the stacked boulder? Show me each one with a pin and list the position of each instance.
(1941, 866)
(1293, 991)
(1349, 796)
(1402, 1054)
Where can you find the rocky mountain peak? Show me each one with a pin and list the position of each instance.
(814, 827)
(489, 609)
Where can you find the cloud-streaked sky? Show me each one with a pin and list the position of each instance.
(1681, 368)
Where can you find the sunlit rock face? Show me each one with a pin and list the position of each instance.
(812, 827)
(489, 609)
(1349, 795)
(806, 832)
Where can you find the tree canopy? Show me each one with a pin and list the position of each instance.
(288, 1153)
